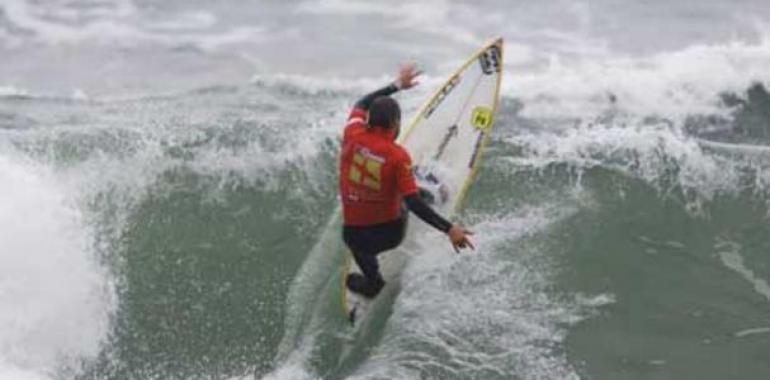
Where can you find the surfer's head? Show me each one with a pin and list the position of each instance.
(385, 113)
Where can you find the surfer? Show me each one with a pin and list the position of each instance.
(376, 181)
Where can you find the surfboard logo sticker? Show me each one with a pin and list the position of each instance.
(446, 90)
(481, 117)
(490, 60)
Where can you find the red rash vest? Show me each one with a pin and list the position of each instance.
(375, 173)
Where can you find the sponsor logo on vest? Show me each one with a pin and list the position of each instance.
(366, 169)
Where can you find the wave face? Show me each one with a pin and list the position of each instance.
(168, 206)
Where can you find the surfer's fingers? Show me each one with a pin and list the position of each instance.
(410, 67)
(468, 242)
(468, 232)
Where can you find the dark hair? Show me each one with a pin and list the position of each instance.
(384, 112)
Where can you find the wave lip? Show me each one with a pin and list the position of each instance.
(673, 84)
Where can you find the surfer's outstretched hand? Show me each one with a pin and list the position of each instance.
(406, 76)
(459, 237)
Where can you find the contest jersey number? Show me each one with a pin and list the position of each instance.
(366, 170)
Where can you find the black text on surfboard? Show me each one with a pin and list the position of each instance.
(451, 132)
(490, 60)
(441, 95)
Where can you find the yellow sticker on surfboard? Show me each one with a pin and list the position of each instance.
(481, 117)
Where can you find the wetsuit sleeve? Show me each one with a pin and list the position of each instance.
(426, 213)
(366, 101)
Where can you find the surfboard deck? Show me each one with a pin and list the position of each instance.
(445, 140)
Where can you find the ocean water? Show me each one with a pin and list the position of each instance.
(168, 205)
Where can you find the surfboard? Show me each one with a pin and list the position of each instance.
(445, 140)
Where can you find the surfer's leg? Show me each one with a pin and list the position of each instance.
(366, 243)
(361, 284)
(361, 241)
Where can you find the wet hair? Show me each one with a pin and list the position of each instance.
(384, 112)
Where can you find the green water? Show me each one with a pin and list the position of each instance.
(603, 259)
